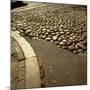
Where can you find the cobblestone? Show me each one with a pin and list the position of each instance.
(56, 21)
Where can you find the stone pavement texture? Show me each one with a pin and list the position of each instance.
(58, 35)
(64, 25)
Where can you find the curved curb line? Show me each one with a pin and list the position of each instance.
(32, 77)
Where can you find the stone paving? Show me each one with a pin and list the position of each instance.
(65, 27)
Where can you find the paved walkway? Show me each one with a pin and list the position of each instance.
(58, 67)
(61, 66)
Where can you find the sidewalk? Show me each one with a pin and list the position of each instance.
(61, 66)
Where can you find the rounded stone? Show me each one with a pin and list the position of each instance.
(44, 29)
(55, 37)
(46, 33)
(27, 31)
(48, 38)
(64, 40)
(70, 38)
(62, 32)
(62, 43)
(59, 39)
(53, 33)
(76, 47)
(61, 26)
(71, 47)
(48, 30)
(43, 32)
(44, 37)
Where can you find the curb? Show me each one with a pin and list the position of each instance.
(32, 74)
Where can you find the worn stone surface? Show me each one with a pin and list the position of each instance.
(68, 25)
(55, 22)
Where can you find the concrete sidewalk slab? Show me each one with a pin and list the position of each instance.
(61, 66)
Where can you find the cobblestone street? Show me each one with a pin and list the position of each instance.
(63, 25)
(58, 35)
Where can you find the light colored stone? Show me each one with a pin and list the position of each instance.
(27, 31)
(48, 38)
(62, 43)
(32, 73)
(62, 32)
(54, 37)
(43, 36)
